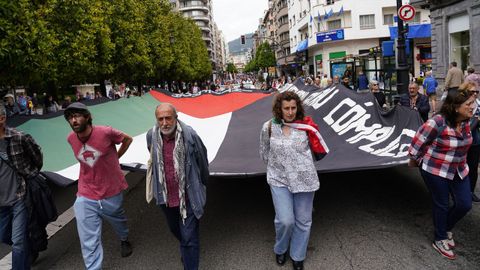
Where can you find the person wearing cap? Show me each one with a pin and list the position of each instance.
(20, 159)
(100, 183)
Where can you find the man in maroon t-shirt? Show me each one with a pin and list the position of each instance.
(100, 183)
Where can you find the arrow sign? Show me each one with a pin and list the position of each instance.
(406, 12)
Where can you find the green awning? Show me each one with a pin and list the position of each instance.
(335, 55)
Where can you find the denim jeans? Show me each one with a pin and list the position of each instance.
(293, 220)
(444, 216)
(13, 231)
(89, 214)
(187, 234)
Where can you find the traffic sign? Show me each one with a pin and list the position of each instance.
(406, 12)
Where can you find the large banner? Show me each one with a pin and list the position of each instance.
(359, 133)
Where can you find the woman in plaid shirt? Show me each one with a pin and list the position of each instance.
(440, 147)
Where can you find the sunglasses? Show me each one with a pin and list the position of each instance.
(474, 91)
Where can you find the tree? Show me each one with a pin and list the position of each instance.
(265, 57)
(231, 68)
(251, 66)
(26, 43)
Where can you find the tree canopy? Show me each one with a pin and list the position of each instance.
(57, 43)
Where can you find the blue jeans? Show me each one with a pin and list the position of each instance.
(293, 220)
(187, 234)
(89, 214)
(13, 231)
(444, 216)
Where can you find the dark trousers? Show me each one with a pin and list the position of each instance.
(444, 216)
(473, 156)
(187, 234)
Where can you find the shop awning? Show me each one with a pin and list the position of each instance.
(388, 48)
(303, 46)
(414, 31)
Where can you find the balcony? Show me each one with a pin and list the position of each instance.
(201, 18)
(194, 7)
(209, 39)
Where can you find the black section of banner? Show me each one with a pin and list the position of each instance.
(359, 134)
(216, 93)
(18, 120)
(238, 155)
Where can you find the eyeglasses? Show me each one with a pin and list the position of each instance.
(74, 115)
(474, 91)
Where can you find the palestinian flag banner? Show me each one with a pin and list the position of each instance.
(359, 134)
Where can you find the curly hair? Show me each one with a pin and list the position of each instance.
(454, 100)
(287, 96)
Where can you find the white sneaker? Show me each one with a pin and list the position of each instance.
(450, 242)
(443, 248)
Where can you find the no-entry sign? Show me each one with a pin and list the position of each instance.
(406, 12)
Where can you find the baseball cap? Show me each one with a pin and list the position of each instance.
(8, 95)
(75, 107)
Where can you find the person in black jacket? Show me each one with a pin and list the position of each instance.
(20, 160)
(416, 101)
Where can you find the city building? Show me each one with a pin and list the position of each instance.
(201, 12)
(346, 37)
(455, 34)
(282, 37)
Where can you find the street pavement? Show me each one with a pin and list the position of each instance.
(377, 219)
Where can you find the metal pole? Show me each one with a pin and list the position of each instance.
(402, 65)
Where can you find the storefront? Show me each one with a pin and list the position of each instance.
(455, 32)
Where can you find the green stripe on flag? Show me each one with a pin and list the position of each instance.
(133, 116)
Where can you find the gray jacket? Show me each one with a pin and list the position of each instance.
(196, 170)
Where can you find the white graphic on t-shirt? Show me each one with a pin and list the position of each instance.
(88, 155)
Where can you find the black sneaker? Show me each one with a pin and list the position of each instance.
(475, 197)
(126, 248)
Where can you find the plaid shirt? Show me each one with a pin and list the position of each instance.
(24, 155)
(442, 154)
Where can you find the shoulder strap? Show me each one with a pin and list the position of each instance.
(270, 128)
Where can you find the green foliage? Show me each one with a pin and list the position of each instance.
(57, 43)
(231, 68)
(265, 57)
(251, 66)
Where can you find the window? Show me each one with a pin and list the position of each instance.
(416, 19)
(367, 21)
(388, 19)
(335, 24)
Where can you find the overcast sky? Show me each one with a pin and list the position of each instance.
(237, 17)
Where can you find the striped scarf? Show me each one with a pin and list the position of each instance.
(178, 163)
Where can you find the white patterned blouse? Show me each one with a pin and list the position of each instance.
(289, 159)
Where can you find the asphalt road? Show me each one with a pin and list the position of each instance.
(379, 219)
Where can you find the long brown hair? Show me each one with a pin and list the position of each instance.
(287, 96)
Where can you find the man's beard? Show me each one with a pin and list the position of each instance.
(169, 132)
(79, 128)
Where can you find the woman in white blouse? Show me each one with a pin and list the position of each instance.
(292, 177)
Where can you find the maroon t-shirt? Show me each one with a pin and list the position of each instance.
(100, 173)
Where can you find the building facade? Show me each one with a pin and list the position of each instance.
(282, 37)
(455, 34)
(200, 11)
(329, 37)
